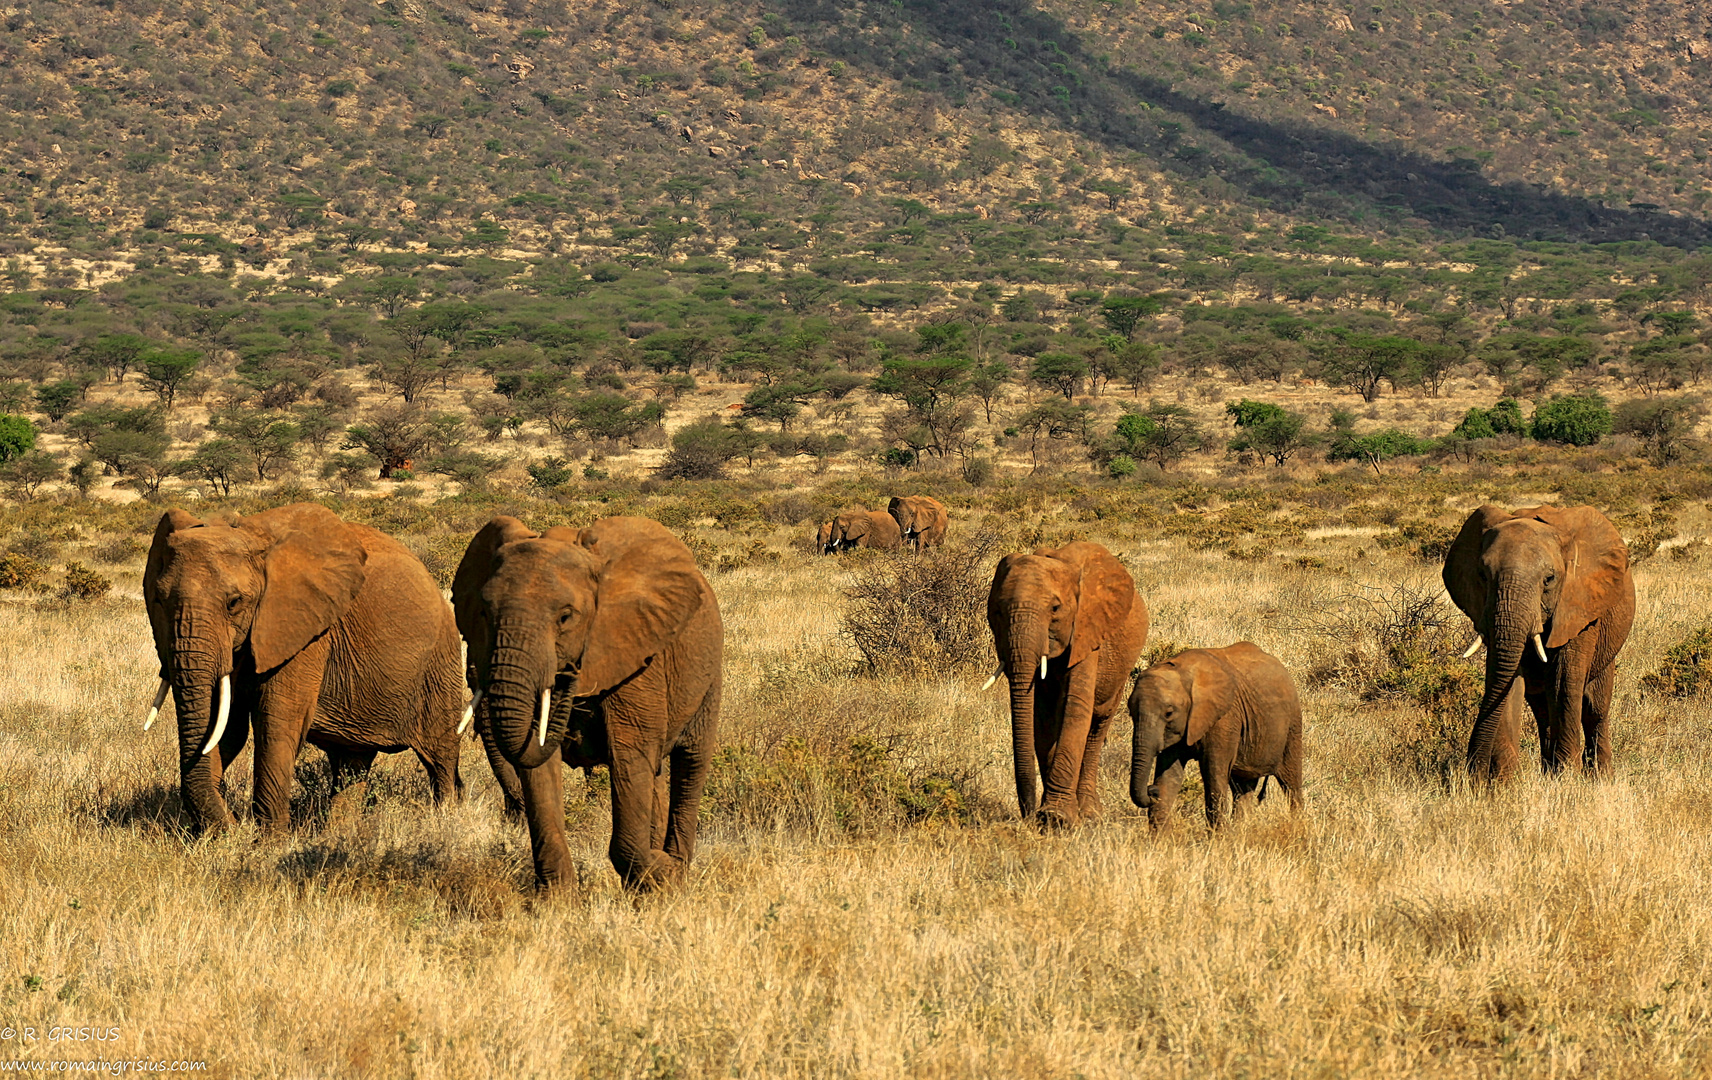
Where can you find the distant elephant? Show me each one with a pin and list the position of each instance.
(597, 646)
(1549, 591)
(1234, 710)
(308, 629)
(865, 528)
(1068, 627)
(921, 520)
(823, 544)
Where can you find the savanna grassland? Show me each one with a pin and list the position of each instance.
(864, 902)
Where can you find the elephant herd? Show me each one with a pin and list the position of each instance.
(912, 522)
(603, 645)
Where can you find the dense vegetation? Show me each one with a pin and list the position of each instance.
(383, 241)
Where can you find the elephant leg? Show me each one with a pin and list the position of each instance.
(1596, 721)
(1167, 782)
(1289, 772)
(1501, 766)
(1216, 786)
(692, 759)
(441, 762)
(1243, 796)
(640, 865)
(544, 809)
(1539, 704)
(1088, 783)
(510, 786)
(1058, 806)
(1569, 694)
(284, 711)
(661, 812)
(350, 772)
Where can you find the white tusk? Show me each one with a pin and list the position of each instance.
(1540, 649)
(154, 710)
(469, 713)
(221, 713)
(1043, 667)
(1472, 649)
(546, 707)
(988, 685)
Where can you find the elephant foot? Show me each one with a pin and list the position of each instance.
(556, 874)
(1091, 808)
(663, 871)
(1055, 820)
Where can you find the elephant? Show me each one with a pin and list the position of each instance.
(865, 528)
(308, 629)
(1068, 626)
(1549, 592)
(823, 544)
(597, 646)
(1234, 710)
(922, 520)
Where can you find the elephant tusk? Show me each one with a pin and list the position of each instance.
(988, 685)
(1474, 648)
(221, 713)
(546, 707)
(469, 713)
(1540, 649)
(154, 709)
(1043, 667)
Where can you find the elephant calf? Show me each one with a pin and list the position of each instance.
(1234, 710)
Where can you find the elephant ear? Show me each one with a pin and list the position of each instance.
(1211, 690)
(1462, 562)
(1104, 594)
(472, 574)
(1595, 562)
(313, 570)
(171, 522)
(649, 587)
(898, 508)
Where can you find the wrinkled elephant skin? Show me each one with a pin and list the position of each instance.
(1549, 591)
(597, 646)
(323, 632)
(1068, 626)
(1233, 710)
(921, 519)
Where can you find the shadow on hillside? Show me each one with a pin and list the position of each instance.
(1009, 46)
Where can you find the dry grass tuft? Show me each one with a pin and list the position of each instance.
(926, 613)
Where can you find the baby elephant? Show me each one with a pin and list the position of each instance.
(1234, 710)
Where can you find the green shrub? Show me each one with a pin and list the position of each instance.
(1574, 419)
(1121, 467)
(17, 437)
(1686, 668)
(82, 583)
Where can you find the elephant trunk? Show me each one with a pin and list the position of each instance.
(1023, 663)
(518, 692)
(1513, 623)
(1143, 757)
(199, 670)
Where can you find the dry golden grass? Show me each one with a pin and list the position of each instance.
(1553, 929)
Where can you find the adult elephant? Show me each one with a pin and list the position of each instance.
(1234, 711)
(1068, 626)
(1549, 590)
(865, 528)
(597, 646)
(921, 519)
(305, 628)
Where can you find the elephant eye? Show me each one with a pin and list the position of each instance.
(565, 617)
(235, 604)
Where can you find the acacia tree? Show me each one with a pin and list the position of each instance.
(393, 435)
(165, 372)
(931, 391)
